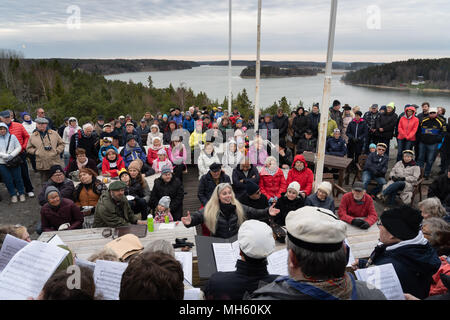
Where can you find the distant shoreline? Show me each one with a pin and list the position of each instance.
(399, 88)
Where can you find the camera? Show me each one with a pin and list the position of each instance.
(48, 148)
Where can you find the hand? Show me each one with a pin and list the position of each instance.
(355, 264)
(285, 166)
(272, 211)
(357, 222)
(142, 222)
(381, 129)
(281, 152)
(410, 297)
(394, 179)
(187, 220)
(365, 225)
(241, 181)
(303, 194)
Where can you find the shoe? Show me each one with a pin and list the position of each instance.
(22, 198)
(14, 199)
(30, 194)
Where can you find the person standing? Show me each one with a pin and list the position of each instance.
(281, 123)
(300, 124)
(40, 113)
(371, 118)
(314, 119)
(336, 114)
(386, 126)
(407, 129)
(357, 133)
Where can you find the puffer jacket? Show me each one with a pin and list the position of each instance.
(45, 159)
(272, 186)
(336, 147)
(336, 115)
(387, 121)
(407, 128)
(111, 214)
(281, 123)
(106, 168)
(14, 147)
(285, 205)
(305, 177)
(129, 154)
(204, 161)
(151, 135)
(357, 132)
(411, 173)
(152, 153)
(300, 125)
(18, 130)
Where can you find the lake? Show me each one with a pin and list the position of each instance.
(213, 80)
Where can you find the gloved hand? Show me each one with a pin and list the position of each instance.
(401, 179)
(395, 179)
(364, 225)
(357, 222)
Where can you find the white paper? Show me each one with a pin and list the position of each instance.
(166, 226)
(236, 249)
(85, 263)
(107, 277)
(185, 258)
(11, 245)
(56, 241)
(192, 294)
(384, 278)
(351, 258)
(225, 256)
(277, 263)
(29, 269)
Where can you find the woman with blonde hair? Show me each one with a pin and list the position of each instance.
(432, 207)
(223, 214)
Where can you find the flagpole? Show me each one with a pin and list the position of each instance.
(229, 60)
(326, 96)
(258, 66)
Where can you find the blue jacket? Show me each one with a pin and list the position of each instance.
(376, 164)
(218, 115)
(313, 201)
(336, 147)
(129, 155)
(189, 125)
(178, 119)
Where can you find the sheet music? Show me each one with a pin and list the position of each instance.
(225, 256)
(236, 249)
(29, 269)
(384, 278)
(107, 277)
(185, 258)
(277, 263)
(85, 263)
(192, 294)
(11, 245)
(56, 241)
(167, 226)
(351, 258)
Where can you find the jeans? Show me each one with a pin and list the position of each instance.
(402, 146)
(427, 155)
(367, 176)
(66, 157)
(25, 174)
(392, 190)
(12, 179)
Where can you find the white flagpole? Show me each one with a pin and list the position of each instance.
(326, 96)
(258, 66)
(229, 60)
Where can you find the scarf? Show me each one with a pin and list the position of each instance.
(340, 288)
(271, 170)
(412, 163)
(227, 209)
(23, 114)
(82, 165)
(71, 131)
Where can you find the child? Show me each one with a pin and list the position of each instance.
(161, 161)
(112, 163)
(162, 210)
(152, 153)
(290, 201)
(178, 156)
(372, 147)
(107, 144)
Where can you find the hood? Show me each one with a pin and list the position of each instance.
(410, 108)
(2, 124)
(301, 158)
(154, 126)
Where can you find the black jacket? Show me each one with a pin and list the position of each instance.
(440, 188)
(314, 120)
(377, 165)
(207, 185)
(306, 145)
(173, 189)
(285, 205)
(286, 159)
(300, 125)
(281, 123)
(261, 203)
(387, 121)
(234, 285)
(238, 175)
(88, 144)
(357, 133)
(431, 130)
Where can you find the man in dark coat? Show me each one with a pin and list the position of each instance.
(308, 143)
(371, 118)
(84, 138)
(58, 180)
(209, 181)
(440, 188)
(168, 185)
(281, 123)
(357, 133)
(300, 124)
(336, 114)
(253, 196)
(241, 174)
(314, 119)
(375, 168)
(385, 126)
(256, 243)
(403, 245)
(266, 127)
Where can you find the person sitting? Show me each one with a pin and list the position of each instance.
(243, 173)
(81, 161)
(152, 276)
(375, 168)
(403, 245)
(336, 145)
(18, 231)
(357, 208)
(223, 214)
(198, 137)
(316, 234)
(290, 201)
(57, 179)
(207, 157)
(113, 209)
(88, 192)
(308, 143)
(271, 180)
(178, 156)
(167, 136)
(161, 161)
(154, 132)
(302, 174)
(284, 154)
(440, 188)
(132, 151)
(257, 152)
(433, 208)
(130, 129)
(59, 213)
(372, 148)
(232, 156)
(322, 198)
(255, 244)
(112, 164)
(107, 144)
(253, 196)
(209, 182)
(403, 176)
(168, 185)
(154, 147)
(163, 210)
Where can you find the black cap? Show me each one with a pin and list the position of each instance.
(56, 168)
(374, 106)
(308, 131)
(251, 187)
(315, 104)
(100, 117)
(403, 222)
(347, 107)
(215, 167)
(336, 103)
(359, 113)
(130, 137)
(358, 186)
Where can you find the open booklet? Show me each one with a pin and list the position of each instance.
(107, 278)
(11, 245)
(27, 272)
(384, 278)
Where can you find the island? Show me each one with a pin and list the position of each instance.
(279, 72)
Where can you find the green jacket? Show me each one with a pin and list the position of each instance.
(108, 214)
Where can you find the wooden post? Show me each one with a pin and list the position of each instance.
(258, 66)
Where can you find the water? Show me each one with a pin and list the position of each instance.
(213, 80)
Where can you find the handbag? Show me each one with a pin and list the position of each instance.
(14, 162)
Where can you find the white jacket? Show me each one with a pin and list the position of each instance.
(204, 162)
(66, 137)
(14, 146)
(29, 127)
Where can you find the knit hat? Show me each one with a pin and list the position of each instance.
(372, 145)
(122, 172)
(326, 187)
(315, 229)
(41, 120)
(164, 201)
(215, 167)
(130, 137)
(51, 189)
(5, 114)
(162, 151)
(359, 113)
(136, 164)
(117, 185)
(56, 169)
(166, 169)
(251, 187)
(256, 239)
(403, 223)
(391, 105)
(295, 186)
(165, 115)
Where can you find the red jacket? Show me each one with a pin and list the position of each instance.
(407, 128)
(113, 172)
(305, 177)
(437, 287)
(152, 154)
(51, 219)
(21, 134)
(349, 209)
(272, 186)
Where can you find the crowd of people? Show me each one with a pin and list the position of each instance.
(250, 185)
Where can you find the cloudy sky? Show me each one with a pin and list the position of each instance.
(378, 30)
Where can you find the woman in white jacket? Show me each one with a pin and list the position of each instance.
(232, 156)
(28, 122)
(71, 129)
(207, 157)
(154, 132)
(12, 177)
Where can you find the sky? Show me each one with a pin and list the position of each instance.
(375, 31)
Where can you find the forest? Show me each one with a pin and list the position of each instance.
(277, 72)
